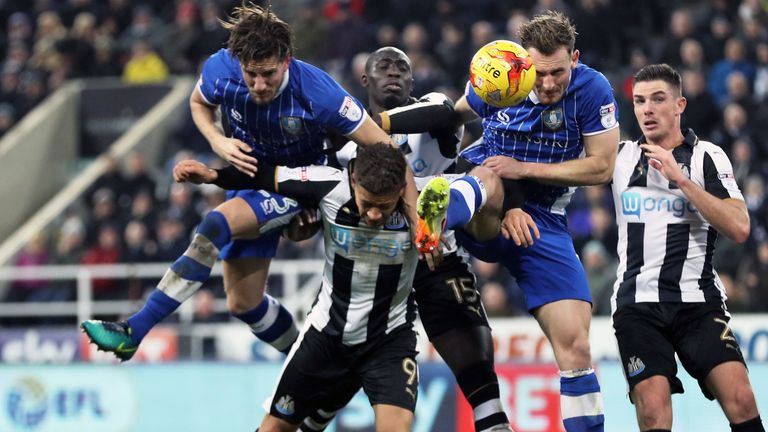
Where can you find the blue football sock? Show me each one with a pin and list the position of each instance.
(581, 403)
(467, 196)
(185, 276)
(272, 323)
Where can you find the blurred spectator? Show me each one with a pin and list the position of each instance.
(743, 161)
(136, 179)
(179, 45)
(755, 281)
(516, 20)
(180, 207)
(734, 126)
(600, 266)
(387, 35)
(347, 32)
(494, 298)
(739, 91)
(720, 29)
(761, 75)
(144, 65)
(172, 239)
(453, 50)
(701, 113)
(35, 253)
(7, 117)
(139, 247)
(105, 251)
(310, 41)
(692, 56)
(681, 27)
(735, 60)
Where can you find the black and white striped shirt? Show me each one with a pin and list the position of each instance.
(368, 273)
(665, 245)
(429, 154)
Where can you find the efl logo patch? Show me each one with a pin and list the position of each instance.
(350, 110)
(726, 175)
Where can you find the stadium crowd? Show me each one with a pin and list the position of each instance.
(135, 214)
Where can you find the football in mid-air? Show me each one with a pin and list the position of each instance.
(502, 73)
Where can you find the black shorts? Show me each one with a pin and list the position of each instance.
(649, 335)
(447, 297)
(323, 373)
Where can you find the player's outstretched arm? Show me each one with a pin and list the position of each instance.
(234, 151)
(433, 111)
(463, 113)
(596, 167)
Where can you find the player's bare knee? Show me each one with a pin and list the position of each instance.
(739, 404)
(493, 187)
(651, 408)
(240, 218)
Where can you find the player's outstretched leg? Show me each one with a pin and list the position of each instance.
(180, 282)
(443, 205)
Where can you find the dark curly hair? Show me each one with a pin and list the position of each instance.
(257, 34)
(380, 168)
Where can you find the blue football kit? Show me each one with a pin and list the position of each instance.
(549, 270)
(289, 131)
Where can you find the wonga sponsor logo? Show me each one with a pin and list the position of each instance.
(634, 203)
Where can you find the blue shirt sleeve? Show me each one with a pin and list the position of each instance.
(214, 68)
(478, 105)
(598, 111)
(331, 104)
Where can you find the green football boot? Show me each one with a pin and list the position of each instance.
(432, 207)
(114, 337)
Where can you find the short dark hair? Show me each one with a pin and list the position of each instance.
(380, 168)
(256, 34)
(662, 72)
(548, 32)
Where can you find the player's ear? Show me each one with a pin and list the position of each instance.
(575, 57)
(364, 80)
(682, 102)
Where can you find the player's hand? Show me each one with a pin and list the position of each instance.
(194, 172)
(506, 167)
(518, 227)
(303, 226)
(663, 160)
(236, 152)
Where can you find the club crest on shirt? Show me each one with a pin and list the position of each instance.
(292, 125)
(553, 119)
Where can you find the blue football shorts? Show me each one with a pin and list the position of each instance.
(546, 272)
(273, 211)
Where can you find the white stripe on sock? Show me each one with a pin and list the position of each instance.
(176, 287)
(269, 318)
(487, 408)
(202, 250)
(468, 192)
(286, 339)
(590, 404)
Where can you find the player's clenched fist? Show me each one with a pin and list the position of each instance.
(194, 172)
